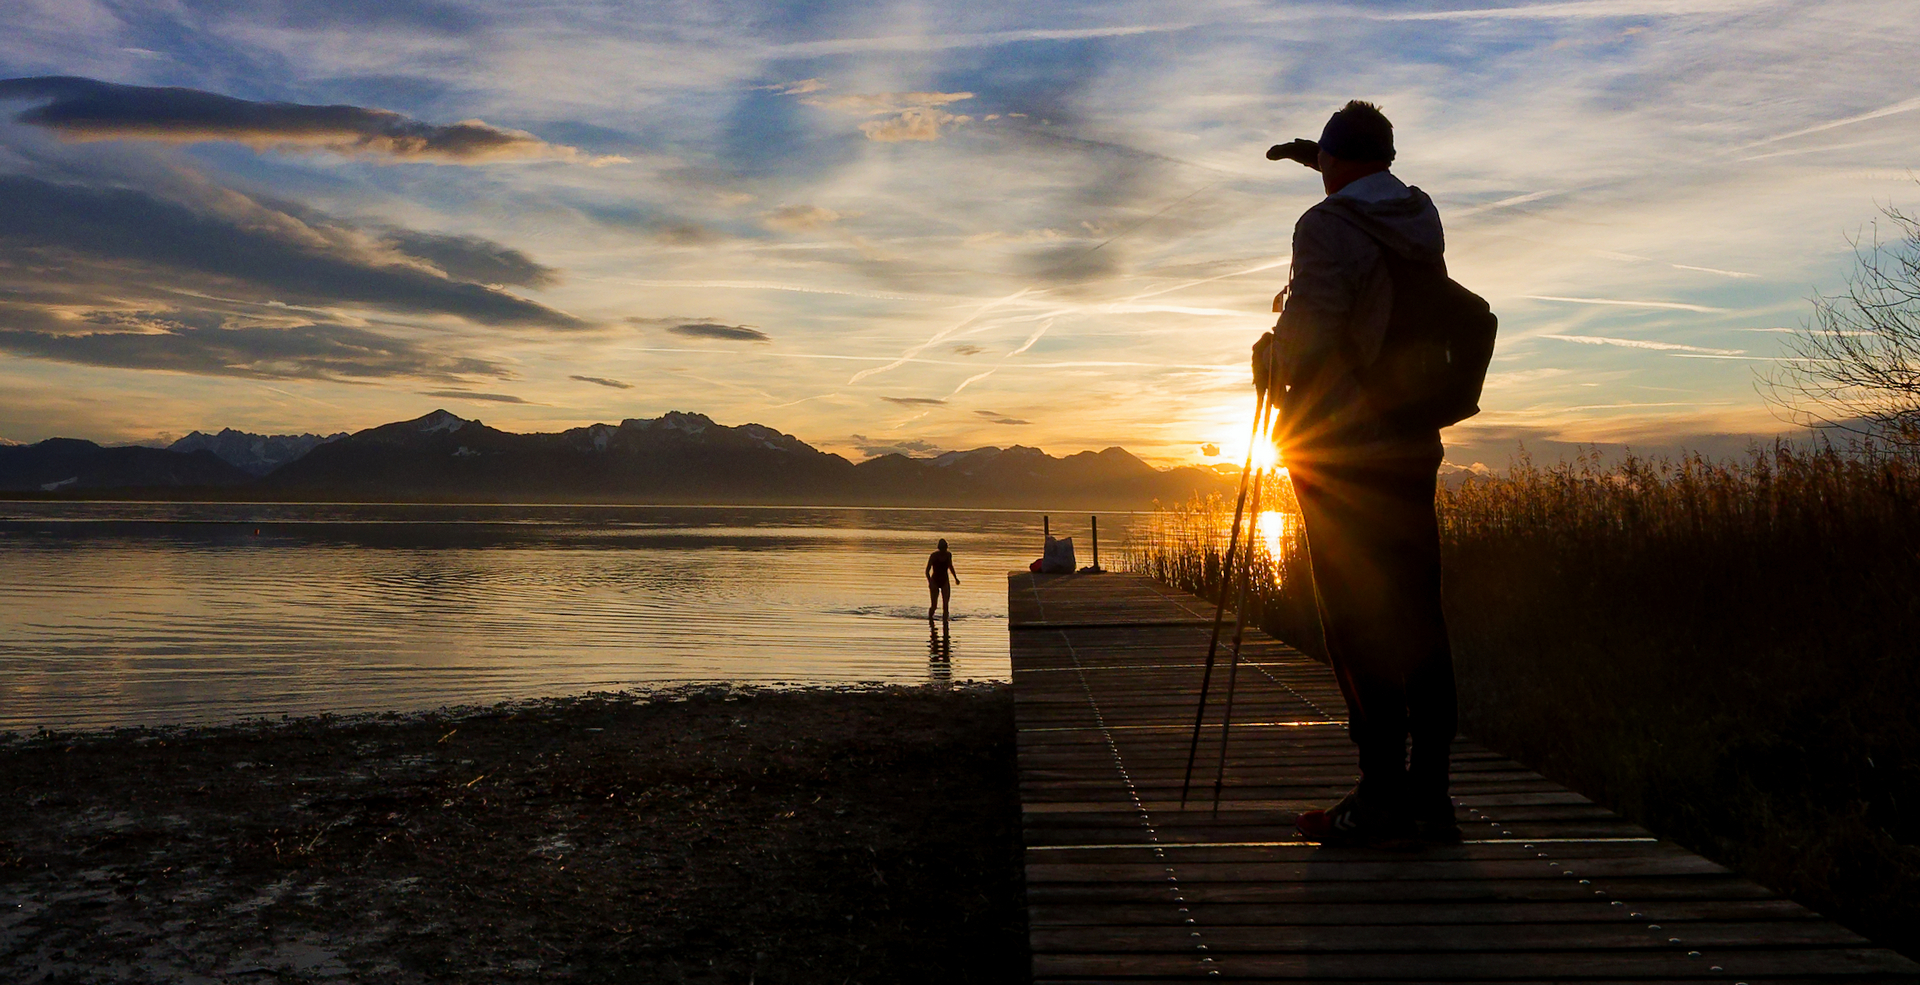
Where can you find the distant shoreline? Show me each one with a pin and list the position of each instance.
(111, 496)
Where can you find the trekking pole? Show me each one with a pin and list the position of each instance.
(1239, 631)
(1226, 582)
(1246, 576)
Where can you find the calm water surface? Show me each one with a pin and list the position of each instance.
(138, 613)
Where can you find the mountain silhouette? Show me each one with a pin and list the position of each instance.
(257, 454)
(72, 465)
(676, 458)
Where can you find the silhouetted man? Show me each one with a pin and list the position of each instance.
(1366, 484)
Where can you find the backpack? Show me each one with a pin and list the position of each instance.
(1433, 361)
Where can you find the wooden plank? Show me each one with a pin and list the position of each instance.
(1633, 891)
(1759, 913)
(1430, 967)
(1615, 935)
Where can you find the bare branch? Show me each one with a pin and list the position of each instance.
(1856, 365)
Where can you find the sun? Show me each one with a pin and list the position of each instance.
(1230, 441)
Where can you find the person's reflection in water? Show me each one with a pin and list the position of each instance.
(939, 653)
(939, 567)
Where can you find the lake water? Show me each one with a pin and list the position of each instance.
(146, 613)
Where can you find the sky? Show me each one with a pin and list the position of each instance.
(902, 226)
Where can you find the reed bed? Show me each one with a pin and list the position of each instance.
(1722, 651)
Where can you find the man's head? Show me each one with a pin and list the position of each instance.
(1357, 141)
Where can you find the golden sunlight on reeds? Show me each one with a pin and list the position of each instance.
(1720, 650)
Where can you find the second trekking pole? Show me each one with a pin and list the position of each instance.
(1262, 405)
(1239, 630)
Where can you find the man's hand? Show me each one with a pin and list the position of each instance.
(1299, 149)
(1263, 364)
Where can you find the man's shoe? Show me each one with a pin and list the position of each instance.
(1356, 822)
(1435, 823)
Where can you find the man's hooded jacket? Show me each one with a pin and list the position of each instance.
(1338, 302)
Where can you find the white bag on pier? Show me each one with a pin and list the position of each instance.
(1057, 557)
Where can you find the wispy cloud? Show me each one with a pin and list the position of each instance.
(1624, 303)
(603, 381)
(152, 341)
(910, 447)
(985, 39)
(915, 401)
(86, 109)
(996, 417)
(704, 328)
(1644, 344)
(799, 218)
(909, 115)
(1576, 10)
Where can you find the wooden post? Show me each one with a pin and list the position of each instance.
(1096, 542)
(1046, 529)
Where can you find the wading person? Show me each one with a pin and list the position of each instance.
(939, 569)
(1363, 455)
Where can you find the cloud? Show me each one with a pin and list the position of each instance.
(875, 447)
(497, 398)
(686, 234)
(1669, 305)
(116, 241)
(795, 218)
(799, 88)
(912, 124)
(999, 418)
(318, 352)
(1573, 10)
(472, 258)
(936, 41)
(915, 401)
(882, 103)
(967, 349)
(705, 328)
(910, 115)
(1644, 344)
(86, 109)
(603, 381)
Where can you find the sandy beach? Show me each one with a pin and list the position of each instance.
(704, 834)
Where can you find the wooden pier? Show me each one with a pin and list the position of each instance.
(1123, 884)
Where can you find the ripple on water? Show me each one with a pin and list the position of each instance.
(166, 612)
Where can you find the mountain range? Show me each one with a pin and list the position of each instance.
(676, 458)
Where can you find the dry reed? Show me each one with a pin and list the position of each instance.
(1721, 651)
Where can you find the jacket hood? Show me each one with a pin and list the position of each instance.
(1409, 225)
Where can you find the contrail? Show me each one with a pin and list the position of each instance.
(802, 400)
(1900, 107)
(1282, 262)
(1031, 339)
(1674, 305)
(969, 381)
(938, 337)
(1645, 344)
(299, 396)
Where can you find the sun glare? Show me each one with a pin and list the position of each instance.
(1232, 444)
(1275, 527)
